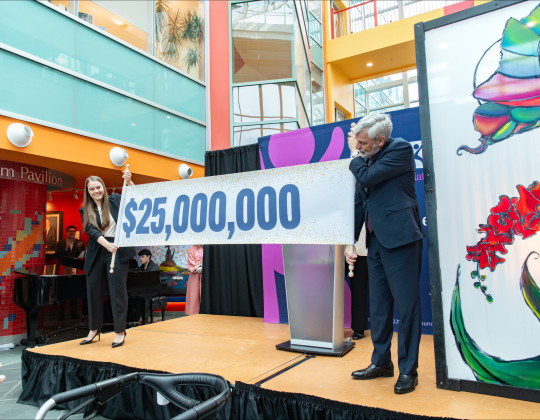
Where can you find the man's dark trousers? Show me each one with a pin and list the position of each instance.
(394, 275)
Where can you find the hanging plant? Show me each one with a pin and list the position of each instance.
(192, 26)
(162, 6)
(192, 57)
(170, 52)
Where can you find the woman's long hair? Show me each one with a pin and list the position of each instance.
(89, 206)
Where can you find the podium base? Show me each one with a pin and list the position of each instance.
(339, 351)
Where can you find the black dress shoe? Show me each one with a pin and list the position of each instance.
(357, 335)
(373, 371)
(86, 341)
(120, 343)
(406, 383)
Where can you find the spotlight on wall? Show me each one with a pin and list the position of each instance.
(185, 171)
(19, 135)
(118, 156)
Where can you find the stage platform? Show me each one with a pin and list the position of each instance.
(242, 350)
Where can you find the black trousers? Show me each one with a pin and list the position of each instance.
(394, 276)
(359, 295)
(95, 283)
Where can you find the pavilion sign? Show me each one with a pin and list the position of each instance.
(29, 173)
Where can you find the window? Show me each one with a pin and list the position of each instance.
(340, 115)
(264, 102)
(170, 30)
(262, 53)
(317, 95)
(388, 93)
(248, 134)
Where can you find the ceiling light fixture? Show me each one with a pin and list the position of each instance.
(118, 156)
(19, 135)
(185, 171)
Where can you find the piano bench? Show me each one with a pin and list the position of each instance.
(159, 302)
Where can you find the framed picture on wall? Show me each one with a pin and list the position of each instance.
(53, 230)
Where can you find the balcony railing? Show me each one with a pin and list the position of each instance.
(372, 13)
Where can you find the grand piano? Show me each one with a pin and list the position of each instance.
(33, 291)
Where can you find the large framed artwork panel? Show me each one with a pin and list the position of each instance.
(479, 78)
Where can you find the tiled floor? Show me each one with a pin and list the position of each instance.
(10, 389)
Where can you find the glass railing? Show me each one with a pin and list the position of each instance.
(369, 14)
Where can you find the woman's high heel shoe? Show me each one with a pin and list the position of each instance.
(120, 343)
(87, 341)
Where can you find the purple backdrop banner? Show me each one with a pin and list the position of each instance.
(323, 143)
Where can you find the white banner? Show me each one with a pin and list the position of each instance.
(305, 204)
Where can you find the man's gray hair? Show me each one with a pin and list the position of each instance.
(377, 125)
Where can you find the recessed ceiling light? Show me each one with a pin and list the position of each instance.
(369, 64)
(132, 123)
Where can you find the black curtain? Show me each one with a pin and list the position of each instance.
(232, 274)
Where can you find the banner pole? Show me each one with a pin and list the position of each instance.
(119, 224)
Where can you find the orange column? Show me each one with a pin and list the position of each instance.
(220, 88)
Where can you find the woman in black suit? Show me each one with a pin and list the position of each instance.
(99, 215)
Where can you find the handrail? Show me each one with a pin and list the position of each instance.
(356, 5)
(352, 19)
(334, 13)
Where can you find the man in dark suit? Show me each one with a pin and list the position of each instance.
(385, 168)
(69, 247)
(50, 236)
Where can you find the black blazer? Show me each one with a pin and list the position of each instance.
(125, 253)
(152, 266)
(391, 203)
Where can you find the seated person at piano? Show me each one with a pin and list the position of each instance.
(146, 261)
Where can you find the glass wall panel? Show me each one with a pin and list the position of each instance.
(249, 134)
(359, 110)
(179, 93)
(58, 98)
(179, 137)
(301, 113)
(315, 7)
(257, 54)
(131, 21)
(386, 97)
(62, 41)
(105, 60)
(178, 26)
(413, 92)
(65, 5)
(360, 94)
(317, 95)
(47, 35)
(316, 54)
(315, 28)
(302, 71)
(179, 29)
(29, 88)
(109, 114)
(264, 102)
